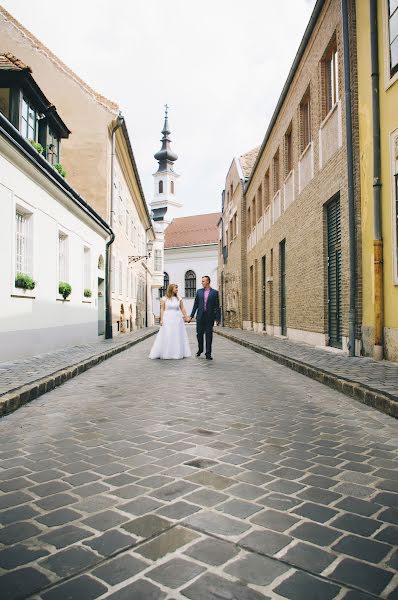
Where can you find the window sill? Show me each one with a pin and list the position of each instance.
(306, 149)
(87, 301)
(18, 294)
(62, 299)
(329, 115)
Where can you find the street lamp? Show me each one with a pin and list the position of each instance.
(133, 259)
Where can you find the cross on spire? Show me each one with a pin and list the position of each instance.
(166, 106)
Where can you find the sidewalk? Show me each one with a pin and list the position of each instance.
(25, 379)
(369, 381)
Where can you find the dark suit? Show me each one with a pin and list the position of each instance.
(205, 318)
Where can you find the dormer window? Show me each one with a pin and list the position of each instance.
(5, 102)
(28, 122)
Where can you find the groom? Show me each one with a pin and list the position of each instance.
(207, 306)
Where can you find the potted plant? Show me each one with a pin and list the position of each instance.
(24, 282)
(38, 147)
(87, 293)
(60, 169)
(65, 289)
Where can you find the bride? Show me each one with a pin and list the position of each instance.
(172, 340)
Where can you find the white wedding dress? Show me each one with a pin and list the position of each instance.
(172, 340)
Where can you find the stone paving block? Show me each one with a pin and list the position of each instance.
(11, 485)
(308, 557)
(265, 542)
(206, 497)
(140, 506)
(56, 501)
(386, 499)
(70, 561)
(303, 586)
(90, 490)
(58, 517)
(20, 554)
(239, 508)
(315, 512)
(212, 551)
(315, 533)
(275, 520)
(21, 583)
(362, 575)
(257, 570)
(64, 536)
(76, 589)
(246, 491)
(19, 513)
(138, 591)
(213, 587)
(147, 526)
(175, 572)
(279, 501)
(110, 542)
(388, 535)
(362, 548)
(105, 520)
(16, 532)
(212, 480)
(358, 506)
(119, 569)
(217, 524)
(12, 499)
(178, 510)
(167, 542)
(127, 492)
(174, 490)
(94, 504)
(356, 524)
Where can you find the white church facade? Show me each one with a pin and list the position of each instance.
(190, 243)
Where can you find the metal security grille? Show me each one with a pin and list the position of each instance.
(21, 242)
(334, 273)
(283, 286)
(190, 284)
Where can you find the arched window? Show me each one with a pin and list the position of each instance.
(172, 187)
(160, 187)
(190, 284)
(166, 281)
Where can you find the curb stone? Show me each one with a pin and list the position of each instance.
(11, 401)
(366, 395)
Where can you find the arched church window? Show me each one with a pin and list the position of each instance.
(172, 187)
(160, 187)
(190, 284)
(166, 281)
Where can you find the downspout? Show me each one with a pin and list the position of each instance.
(378, 349)
(350, 178)
(108, 256)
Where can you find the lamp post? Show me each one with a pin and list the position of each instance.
(134, 259)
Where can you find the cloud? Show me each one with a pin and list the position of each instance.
(220, 64)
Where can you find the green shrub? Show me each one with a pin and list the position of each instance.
(37, 146)
(65, 289)
(60, 169)
(24, 281)
(87, 293)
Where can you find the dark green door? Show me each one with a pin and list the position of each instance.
(283, 286)
(264, 291)
(334, 272)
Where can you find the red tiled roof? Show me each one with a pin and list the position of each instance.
(192, 231)
(9, 62)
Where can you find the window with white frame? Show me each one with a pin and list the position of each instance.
(63, 258)
(158, 260)
(113, 275)
(393, 35)
(23, 242)
(120, 278)
(87, 268)
(331, 77)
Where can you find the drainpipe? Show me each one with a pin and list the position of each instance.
(350, 178)
(378, 350)
(108, 298)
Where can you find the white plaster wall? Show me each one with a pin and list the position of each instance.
(44, 322)
(203, 260)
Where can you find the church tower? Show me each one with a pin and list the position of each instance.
(165, 204)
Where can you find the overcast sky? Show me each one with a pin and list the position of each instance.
(219, 64)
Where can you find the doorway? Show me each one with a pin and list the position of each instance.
(334, 272)
(101, 306)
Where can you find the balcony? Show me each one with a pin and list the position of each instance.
(276, 207)
(288, 190)
(330, 135)
(306, 167)
(267, 220)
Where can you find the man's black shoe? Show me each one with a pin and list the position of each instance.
(208, 357)
(198, 353)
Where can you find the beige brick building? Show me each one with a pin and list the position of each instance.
(294, 230)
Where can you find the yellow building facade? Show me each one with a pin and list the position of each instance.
(380, 287)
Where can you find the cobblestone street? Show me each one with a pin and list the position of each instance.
(232, 479)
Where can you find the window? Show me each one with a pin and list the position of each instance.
(87, 268)
(160, 187)
(288, 151)
(254, 212)
(305, 121)
(172, 187)
(28, 120)
(331, 77)
(275, 165)
(63, 263)
(249, 219)
(266, 191)
(259, 202)
(113, 274)
(120, 278)
(158, 260)
(235, 225)
(393, 35)
(190, 284)
(52, 153)
(23, 246)
(166, 281)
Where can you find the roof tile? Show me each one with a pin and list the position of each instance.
(192, 231)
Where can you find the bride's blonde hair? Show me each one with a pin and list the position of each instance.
(170, 290)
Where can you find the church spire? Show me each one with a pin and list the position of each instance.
(166, 157)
